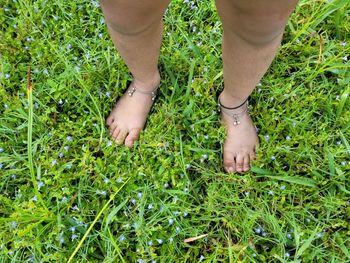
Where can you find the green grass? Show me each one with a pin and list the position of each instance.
(68, 191)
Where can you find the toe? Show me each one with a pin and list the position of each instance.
(115, 133)
(239, 163)
(229, 162)
(121, 137)
(132, 137)
(246, 163)
(109, 120)
(112, 127)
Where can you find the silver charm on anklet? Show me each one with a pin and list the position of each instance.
(235, 116)
(152, 93)
(132, 91)
(236, 120)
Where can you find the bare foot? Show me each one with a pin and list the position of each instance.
(241, 140)
(129, 115)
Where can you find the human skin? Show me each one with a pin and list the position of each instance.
(252, 33)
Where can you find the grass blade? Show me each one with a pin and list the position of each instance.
(94, 222)
(306, 244)
(345, 141)
(291, 179)
(30, 140)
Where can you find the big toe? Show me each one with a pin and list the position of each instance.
(132, 137)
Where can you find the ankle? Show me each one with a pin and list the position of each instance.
(231, 101)
(149, 83)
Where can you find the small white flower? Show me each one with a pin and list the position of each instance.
(13, 224)
(171, 221)
(273, 157)
(34, 198)
(40, 184)
(106, 181)
(288, 138)
(319, 235)
(53, 162)
(61, 238)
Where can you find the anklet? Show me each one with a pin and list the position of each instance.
(152, 93)
(235, 116)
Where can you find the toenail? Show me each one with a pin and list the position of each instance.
(230, 169)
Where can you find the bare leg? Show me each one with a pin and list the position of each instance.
(252, 33)
(135, 27)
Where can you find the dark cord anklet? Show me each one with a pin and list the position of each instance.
(235, 116)
(227, 108)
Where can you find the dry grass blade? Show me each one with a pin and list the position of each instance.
(191, 239)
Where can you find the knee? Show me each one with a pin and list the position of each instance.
(260, 27)
(125, 26)
(126, 21)
(260, 31)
